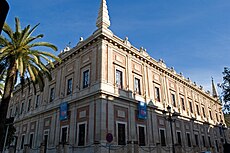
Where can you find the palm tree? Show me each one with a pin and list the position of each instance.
(20, 52)
(2, 78)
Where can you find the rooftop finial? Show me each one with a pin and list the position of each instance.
(103, 16)
(214, 92)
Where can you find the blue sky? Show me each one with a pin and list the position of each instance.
(191, 36)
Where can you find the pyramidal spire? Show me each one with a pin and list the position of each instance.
(214, 92)
(103, 16)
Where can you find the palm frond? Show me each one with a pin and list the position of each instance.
(44, 44)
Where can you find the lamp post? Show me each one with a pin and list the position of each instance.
(169, 117)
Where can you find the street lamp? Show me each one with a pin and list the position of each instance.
(169, 117)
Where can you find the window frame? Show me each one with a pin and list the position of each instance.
(138, 132)
(160, 136)
(78, 132)
(31, 141)
(188, 139)
(173, 99)
(22, 141)
(69, 89)
(67, 134)
(86, 82)
(157, 93)
(119, 81)
(137, 87)
(117, 132)
(52, 94)
(177, 138)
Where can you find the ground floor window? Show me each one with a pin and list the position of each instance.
(141, 135)
(162, 137)
(81, 134)
(196, 140)
(121, 133)
(188, 140)
(46, 139)
(178, 137)
(64, 134)
(22, 141)
(31, 140)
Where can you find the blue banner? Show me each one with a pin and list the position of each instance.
(142, 110)
(63, 111)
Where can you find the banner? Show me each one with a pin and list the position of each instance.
(63, 111)
(142, 110)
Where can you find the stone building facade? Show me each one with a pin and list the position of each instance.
(99, 88)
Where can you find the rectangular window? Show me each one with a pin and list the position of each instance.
(31, 140)
(157, 94)
(203, 140)
(173, 99)
(121, 134)
(203, 112)
(209, 141)
(119, 79)
(69, 86)
(217, 117)
(85, 78)
(22, 141)
(37, 101)
(46, 142)
(64, 134)
(217, 147)
(190, 104)
(182, 103)
(22, 108)
(188, 140)
(162, 137)
(51, 94)
(196, 140)
(29, 105)
(210, 114)
(141, 131)
(81, 134)
(137, 86)
(178, 137)
(197, 109)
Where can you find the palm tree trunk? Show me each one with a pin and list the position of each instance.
(9, 86)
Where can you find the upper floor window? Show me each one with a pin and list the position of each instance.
(51, 94)
(173, 99)
(182, 103)
(69, 86)
(203, 112)
(157, 94)
(190, 104)
(85, 78)
(29, 105)
(119, 79)
(137, 86)
(22, 108)
(217, 117)
(197, 109)
(210, 114)
(37, 101)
